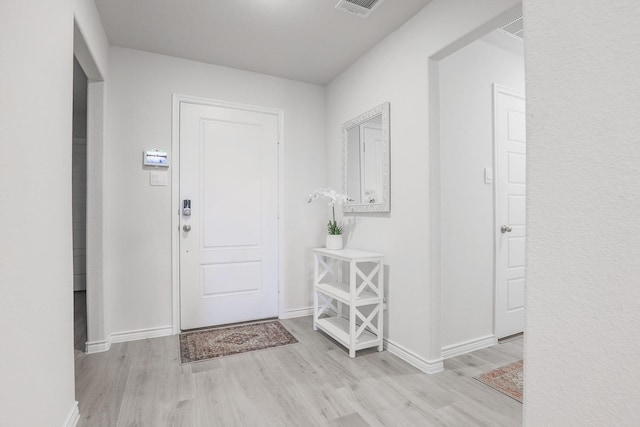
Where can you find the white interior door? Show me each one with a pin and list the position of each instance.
(229, 243)
(510, 134)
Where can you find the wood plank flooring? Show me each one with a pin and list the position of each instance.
(312, 383)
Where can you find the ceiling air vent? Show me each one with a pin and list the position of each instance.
(361, 8)
(514, 27)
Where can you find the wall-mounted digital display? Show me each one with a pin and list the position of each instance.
(155, 158)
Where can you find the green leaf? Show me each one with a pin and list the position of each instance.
(333, 228)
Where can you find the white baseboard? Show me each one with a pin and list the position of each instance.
(73, 417)
(468, 346)
(97, 346)
(297, 312)
(137, 334)
(427, 366)
(141, 334)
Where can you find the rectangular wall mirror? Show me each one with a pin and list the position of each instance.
(365, 142)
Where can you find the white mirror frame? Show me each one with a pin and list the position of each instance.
(384, 205)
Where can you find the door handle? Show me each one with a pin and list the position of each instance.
(186, 227)
(506, 229)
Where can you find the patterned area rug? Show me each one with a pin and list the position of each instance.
(211, 343)
(507, 380)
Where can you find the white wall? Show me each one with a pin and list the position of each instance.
(396, 70)
(97, 322)
(466, 148)
(91, 46)
(582, 364)
(36, 306)
(138, 222)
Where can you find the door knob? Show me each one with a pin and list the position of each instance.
(187, 227)
(505, 229)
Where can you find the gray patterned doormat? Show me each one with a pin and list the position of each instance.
(211, 343)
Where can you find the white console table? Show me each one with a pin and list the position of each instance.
(362, 293)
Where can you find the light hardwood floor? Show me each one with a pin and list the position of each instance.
(312, 383)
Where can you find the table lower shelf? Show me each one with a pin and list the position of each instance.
(341, 292)
(338, 328)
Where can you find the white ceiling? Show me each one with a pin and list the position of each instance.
(505, 40)
(306, 40)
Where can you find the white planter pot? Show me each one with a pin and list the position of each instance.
(334, 241)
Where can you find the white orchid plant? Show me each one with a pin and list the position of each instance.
(334, 198)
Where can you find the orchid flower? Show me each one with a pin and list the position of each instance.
(332, 195)
(334, 198)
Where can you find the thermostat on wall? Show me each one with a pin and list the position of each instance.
(155, 158)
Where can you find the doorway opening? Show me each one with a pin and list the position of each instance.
(88, 159)
(79, 205)
(471, 82)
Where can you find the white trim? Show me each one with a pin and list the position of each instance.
(413, 359)
(434, 303)
(175, 214)
(281, 214)
(468, 346)
(124, 336)
(95, 192)
(97, 346)
(141, 334)
(297, 312)
(175, 195)
(73, 417)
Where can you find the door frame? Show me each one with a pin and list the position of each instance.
(98, 333)
(177, 99)
(498, 89)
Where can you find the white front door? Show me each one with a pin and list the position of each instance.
(229, 242)
(510, 146)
